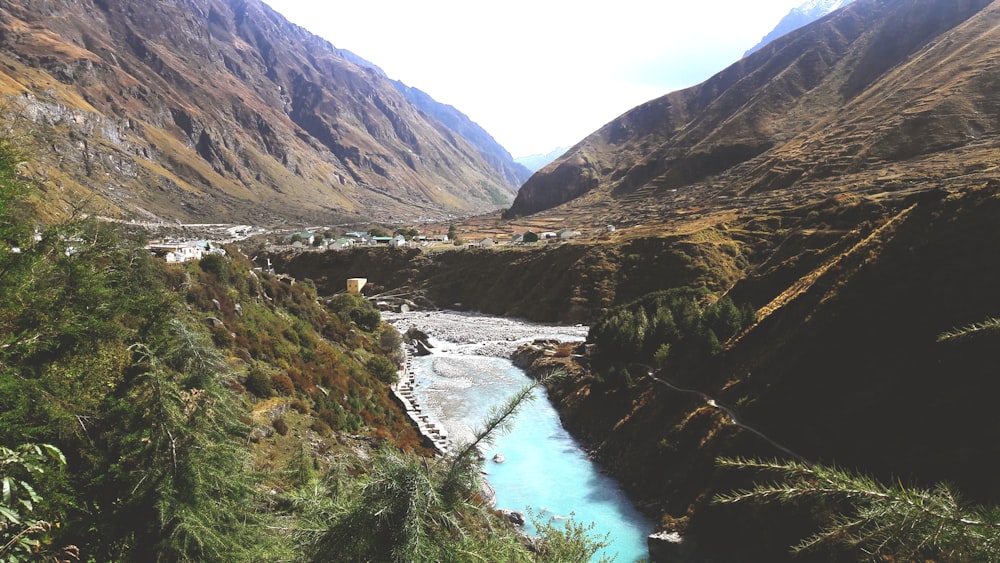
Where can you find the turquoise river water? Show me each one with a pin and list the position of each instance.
(544, 471)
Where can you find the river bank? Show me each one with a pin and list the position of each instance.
(403, 391)
(540, 470)
(482, 335)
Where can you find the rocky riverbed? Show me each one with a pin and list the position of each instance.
(537, 464)
(481, 335)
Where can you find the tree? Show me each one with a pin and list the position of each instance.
(14, 225)
(530, 236)
(885, 522)
(408, 233)
(382, 369)
(20, 531)
(176, 483)
(390, 343)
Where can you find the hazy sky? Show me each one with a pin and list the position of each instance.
(538, 74)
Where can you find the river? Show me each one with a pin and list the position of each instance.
(544, 471)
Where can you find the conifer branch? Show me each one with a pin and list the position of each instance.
(886, 520)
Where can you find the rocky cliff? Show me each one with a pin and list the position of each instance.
(222, 110)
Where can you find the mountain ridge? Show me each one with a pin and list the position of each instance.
(222, 109)
(798, 17)
(723, 130)
(536, 162)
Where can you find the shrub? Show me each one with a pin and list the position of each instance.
(357, 309)
(391, 343)
(298, 406)
(382, 369)
(282, 384)
(321, 428)
(258, 383)
(216, 265)
(280, 426)
(366, 319)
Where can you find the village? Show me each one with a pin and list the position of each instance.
(184, 248)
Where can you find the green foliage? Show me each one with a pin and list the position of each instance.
(407, 233)
(382, 369)
(570, 541)
(20, 537)
(884, 522)
(662, 355)
(530, 236)
(497, 197)
(684, 320)
(179, 486)
(14, 225)
(366, 319)
(217, 265)
(259, 382)
(353, 308)
(390, 343)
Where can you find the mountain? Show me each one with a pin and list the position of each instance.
(873, 85)
(536, 162)
(514, 172)
(222, 110)
(842, 182)
(455, 120)
(798, 17)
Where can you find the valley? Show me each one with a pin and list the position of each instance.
(780, 285)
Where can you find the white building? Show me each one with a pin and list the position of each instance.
(178, 251)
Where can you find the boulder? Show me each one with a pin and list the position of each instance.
(667, 547)
(515, 517)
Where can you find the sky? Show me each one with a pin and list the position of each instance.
(541, 74)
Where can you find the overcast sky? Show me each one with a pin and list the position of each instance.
(539, 74)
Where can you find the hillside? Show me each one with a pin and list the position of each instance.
(222, 110)
(861, 235)
(874, 85)
(211, 411)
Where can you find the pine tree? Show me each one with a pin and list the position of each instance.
(886, 522)
(178, 481)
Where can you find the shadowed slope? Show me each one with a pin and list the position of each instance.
(836, 95)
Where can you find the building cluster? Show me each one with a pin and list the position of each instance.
(359, 238)
(183, 251)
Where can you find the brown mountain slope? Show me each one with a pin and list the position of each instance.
(222, 110)
(876, 83)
